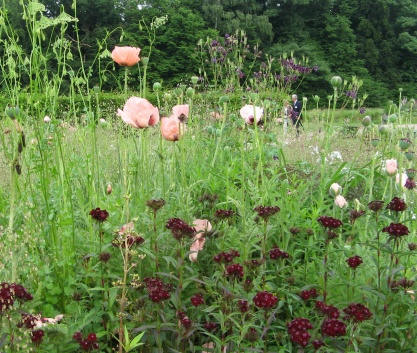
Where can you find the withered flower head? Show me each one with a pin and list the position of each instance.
(155, 204)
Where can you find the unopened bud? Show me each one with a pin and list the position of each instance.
(109, 189)
(157, 86)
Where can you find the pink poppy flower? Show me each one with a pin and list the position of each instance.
(170, 128)
(251, 113)
(126, 56)
(391, 166)
(181, 111)
(340, 201)
(127, 228)
(139, 113)
(201, 226)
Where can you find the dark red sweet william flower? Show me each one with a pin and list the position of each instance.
(37, 336)
(410, 184)
(129, 240)
(224, 214)
(20, 292)
(265, 300)
(397, 205)
(354, 261)
(307, 294)
(357, 312)
(297, 329)
(328, 310)
(243, 305)
(252, 335)
(197, 300)
(317, 344)
(28, 321)
(180, 229)
(226, 257)
(234, 270)
(276, 253)
(376, 205)
(87, 344)
(99, 215)
(157, 289)
(329, 222)
(210, 326)
(333, 328)
(266, 211)
(396, 230)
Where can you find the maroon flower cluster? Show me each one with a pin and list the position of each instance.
(224, 214)
(180, 229)
(157, 290)
(376, 205)
(403, 282)
(266, 211)
(243, 305)
(307, 294)
(333, 328)
(252, 335)
(226, 257)
(28, 321)
(36, 336)
(357, 312)
(396, 230)
(354, 261)
(329, 222)
(197, 300)
(184, 320)
(317, 344)
(354, 215)
(210, 326)
(276, 253)
(397, 205)
(99, 215)
(297, 330)
(88, 343)
(410, 184)
(10, 292)
(234, 270)
(328, 310)
(127, 241)
(253, 263)
(265, 300)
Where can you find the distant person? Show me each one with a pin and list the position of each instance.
(296, 117)
(286, 112)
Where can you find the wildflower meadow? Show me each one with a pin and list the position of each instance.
(199, 217)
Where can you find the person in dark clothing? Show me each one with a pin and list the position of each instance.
(296, 116)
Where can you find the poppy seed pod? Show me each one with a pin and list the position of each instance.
(366, 121)
(157, 86)
(194, 80)
(392, 118)
(190, 92)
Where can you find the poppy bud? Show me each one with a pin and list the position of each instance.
(109, 189)
(335, 189)
(336, 81)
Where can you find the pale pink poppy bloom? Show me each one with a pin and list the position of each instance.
(46, 119)
(127, 228)
(251, 113)
(43, 321)
(139, 113)
(180, 111)
(403, 179)
(340, 201)
(201, 226)
(391, 166)
(170, 128)
(126, 56)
